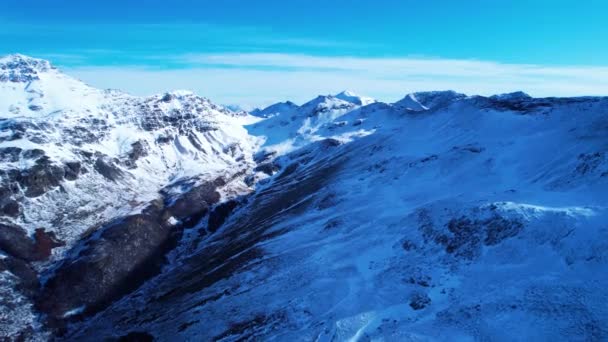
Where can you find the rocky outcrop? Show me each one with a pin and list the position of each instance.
(109, 264)
(15, 242)
(123, 254)
(107, 169)
(465, 236)
(40, 178)
(220, 213)
(189, 208)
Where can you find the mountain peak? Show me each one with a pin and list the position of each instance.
(517, 95)
(273, 109)
(410, 102)
(323, 100)
(352, 97)
(424, 100)
(21, 68)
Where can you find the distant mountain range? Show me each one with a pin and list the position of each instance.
(441, 216)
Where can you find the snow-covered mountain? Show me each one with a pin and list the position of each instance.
(352, 97)
(439, 217)
(74, 155)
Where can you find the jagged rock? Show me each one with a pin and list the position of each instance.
(28, 278)
(33, 154)
(10, 208)
(419, 301)
(15, 242)
(126, 253)
(220, 213)
(498, 228)
(467, 235)
(268, 168)
(107, 169)
(9, 154)
(167, 98)
(72, 170)
(138, 150)
(40, 178)
(192, 206)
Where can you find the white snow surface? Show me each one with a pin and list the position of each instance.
(490, 213)
(439, 217)
(204, 140)
(352, 97)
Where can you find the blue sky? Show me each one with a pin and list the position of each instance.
(258, 52)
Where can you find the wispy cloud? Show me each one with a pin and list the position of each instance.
(262, 78)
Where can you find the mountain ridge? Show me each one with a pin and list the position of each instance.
(439, 215)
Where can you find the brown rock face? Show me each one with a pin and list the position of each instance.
(15, 242)
(116, 262)
(120, 256)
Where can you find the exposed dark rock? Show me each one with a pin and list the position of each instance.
(247, 330)
(28, 278)
(33, 154)
(517, 102)
(9, 154)
(467, 235)
(195, 142)
(264, 156)
(126, 253)
(138, 150)
(123, 255)
(220, 213)
(107, 169)
(35, 108)
(22, 69)
(40, 178)
(589, 162)
(72, 170)
(224, 255)
(136, 336)
(419, 301)
(268, 168)
(7, 190)
(421, 280)
(164, 139)
(10, 208)
(408, 245)
(329, 142)
(45, 242)
(167, 98)
(290, 169)
(192, 206)
(429, 158)
(499, 228)
(79, 135)
(469, 148)
(331, 224)
(14, 241)
(327, 201)
(186, 325)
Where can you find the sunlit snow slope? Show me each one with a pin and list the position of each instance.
(439, 217)
(74, 156)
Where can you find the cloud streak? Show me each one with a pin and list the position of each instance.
(257, 79)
